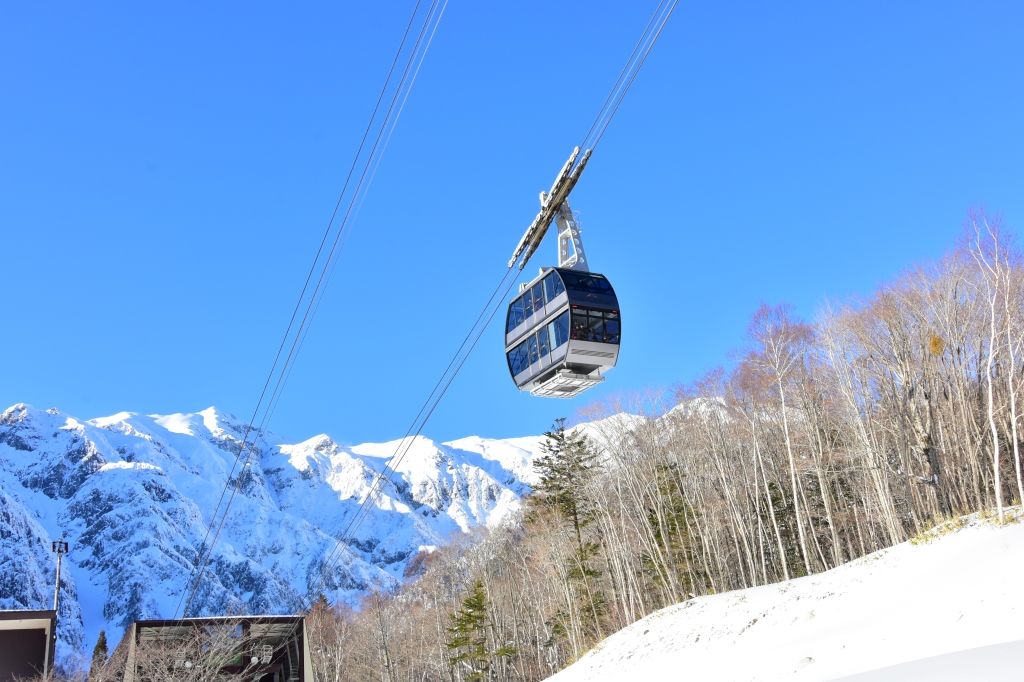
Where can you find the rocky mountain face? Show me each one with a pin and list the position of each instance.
(136, 497)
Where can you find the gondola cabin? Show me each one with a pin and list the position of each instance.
(562, 333)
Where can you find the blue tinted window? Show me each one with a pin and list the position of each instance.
(532, 346)
(611, 330)
(527, 304)
(518, 359)
(553, 286)
(584, 281)
(538, 295)
(572, 279)
(579, 324)
(601, 326)
(515, 314)
(544, 341)
(560, 330)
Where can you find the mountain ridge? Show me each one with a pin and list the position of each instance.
(134, 495)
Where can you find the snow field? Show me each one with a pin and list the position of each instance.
(958, 591)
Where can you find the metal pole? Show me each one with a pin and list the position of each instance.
(58, 547)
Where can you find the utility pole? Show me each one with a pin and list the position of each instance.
(60, 548)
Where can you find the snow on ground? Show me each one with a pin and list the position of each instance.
(994, 662)
(877, 618)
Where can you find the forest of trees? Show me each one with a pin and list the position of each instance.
(826, 441)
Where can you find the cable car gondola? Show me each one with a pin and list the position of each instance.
(562, 332)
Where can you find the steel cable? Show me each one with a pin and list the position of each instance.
(388, 123)
(602, 120)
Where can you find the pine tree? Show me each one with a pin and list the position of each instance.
(568, 465)
(99, 654)
(468, 633)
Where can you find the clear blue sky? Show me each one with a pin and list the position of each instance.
(167, 170)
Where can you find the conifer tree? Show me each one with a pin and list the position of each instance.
(99, 654)
(468, 636)
(568, 465)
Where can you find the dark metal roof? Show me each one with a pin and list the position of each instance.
(269, 628)
(48, 614)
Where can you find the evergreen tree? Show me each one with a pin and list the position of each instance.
(99, 654)
(566, 468)
(468, 636)
(568, 464)
(320, 605)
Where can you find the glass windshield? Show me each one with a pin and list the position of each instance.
(585, 281)
(599, 326)
(553, 286)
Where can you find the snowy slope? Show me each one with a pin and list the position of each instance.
(135, 496)
(944, 598)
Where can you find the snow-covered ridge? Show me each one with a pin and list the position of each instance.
(958, 590)
(135, 495)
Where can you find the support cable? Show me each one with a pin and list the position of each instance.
(604, 117)
(594, 135)
(670, 6)
(404, 87)
(418, 423)
(472, 337)
(365, 180)
(622, 73)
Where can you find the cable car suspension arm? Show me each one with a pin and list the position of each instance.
(553, 204)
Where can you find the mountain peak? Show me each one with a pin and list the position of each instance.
(134, 494)
(23, 413)
(15, 412)
(117, 418)
(207, 423)
(216, 419)
(401, 446)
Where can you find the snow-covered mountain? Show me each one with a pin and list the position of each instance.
(135, 496)
(949, 606)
